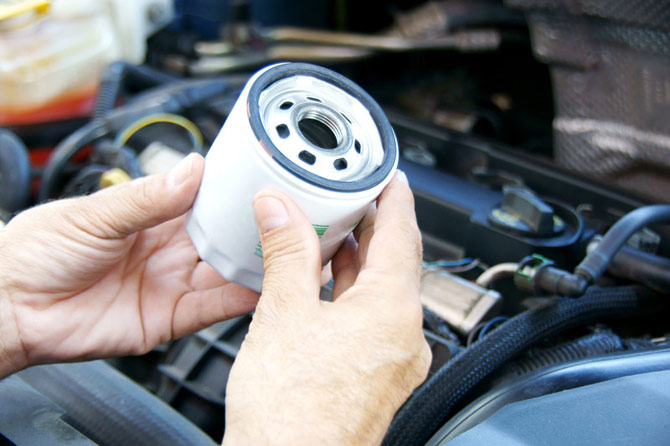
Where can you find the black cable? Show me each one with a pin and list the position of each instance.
(474, 333)
(117, 74)
(110, 86)
(434, 402)
(439, 326)
(490, 324)
(144, 76)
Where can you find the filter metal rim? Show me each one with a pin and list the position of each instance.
(386, 134)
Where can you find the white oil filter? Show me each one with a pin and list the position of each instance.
(307, 131)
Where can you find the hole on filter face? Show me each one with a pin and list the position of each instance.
(314, 99)
(283, 131)
(307, 157)
(317, 133)
(357, 146)
(340, 164)
(286, 105)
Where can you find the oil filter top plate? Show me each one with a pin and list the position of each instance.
(322, 127)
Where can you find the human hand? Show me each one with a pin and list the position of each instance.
(110, 274)
(312, 372)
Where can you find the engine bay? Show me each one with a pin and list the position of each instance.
(539, 168)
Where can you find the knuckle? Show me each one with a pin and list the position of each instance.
(413, 237)
(410, 318)
(418, 364)
(415, 315)
(403, 305)
(408, 246)
(407, 312)
(424, 360)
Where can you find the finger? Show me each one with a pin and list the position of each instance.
(345, 267)
(363, 234)
(291, 253)
(121, 210)
(395, 246)
(200, 309)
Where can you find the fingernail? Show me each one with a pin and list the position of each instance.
(180, 173)
(401, 176)
(270, 213)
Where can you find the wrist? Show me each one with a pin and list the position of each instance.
(297, 434)
(298, 421)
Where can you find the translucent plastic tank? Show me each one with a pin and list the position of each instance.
(52, 53)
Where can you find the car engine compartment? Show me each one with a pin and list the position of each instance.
(536, 140)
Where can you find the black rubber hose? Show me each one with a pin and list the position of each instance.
(434, 402)
(595, 264)
(111, 409)
(53, 173)
(110, 86)
(164, 99)
(122, 157)
(86, 181)
(642, 267)
(598, 343)
(117, 74)
(558, 281)
(14, 172)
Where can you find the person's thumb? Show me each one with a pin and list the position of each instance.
(291, 254)
(122, 210)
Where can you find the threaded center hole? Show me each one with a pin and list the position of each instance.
(319, 129)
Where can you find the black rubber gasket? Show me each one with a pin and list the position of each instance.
(386, 133)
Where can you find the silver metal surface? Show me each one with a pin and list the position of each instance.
(298, 44)
(461, 303)
(321, 128)
(475, 40)
(212, 62)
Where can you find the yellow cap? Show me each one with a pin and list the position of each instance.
(113, 177)
(12, 8)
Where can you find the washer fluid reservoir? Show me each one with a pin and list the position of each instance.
(51, 60)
